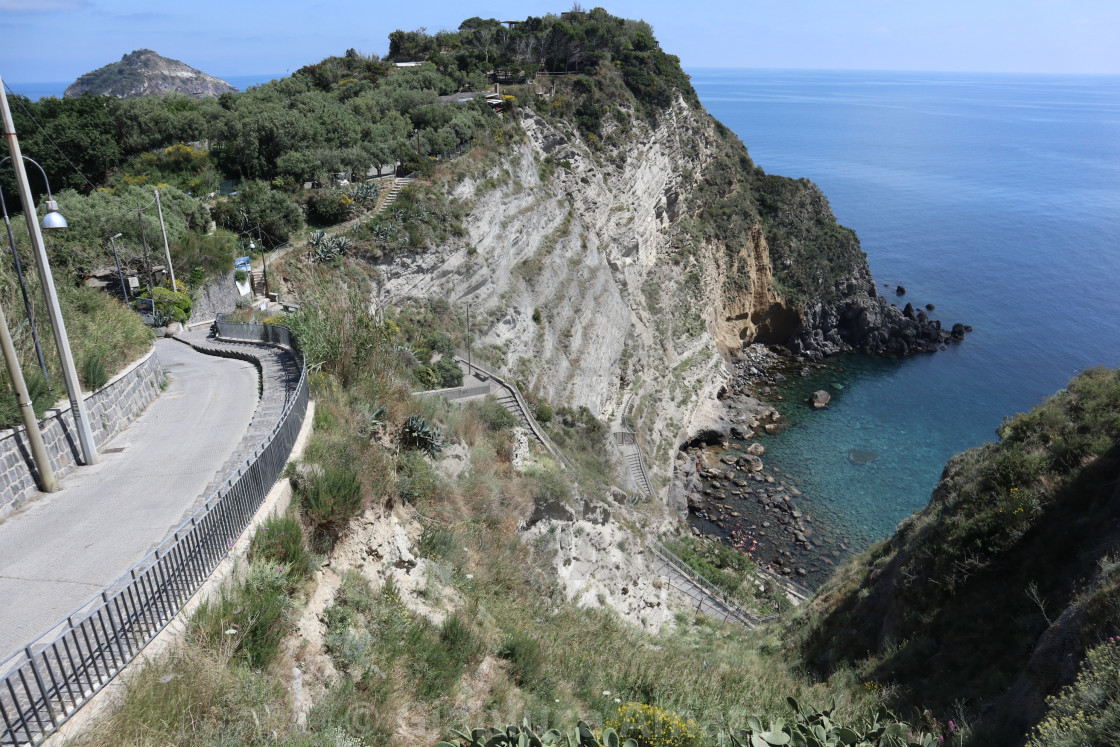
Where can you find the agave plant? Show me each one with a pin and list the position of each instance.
(419, 433)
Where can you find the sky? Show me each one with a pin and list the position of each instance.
(58, 40)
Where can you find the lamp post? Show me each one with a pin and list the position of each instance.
(58, 325)
(117, 259)
(23, 288)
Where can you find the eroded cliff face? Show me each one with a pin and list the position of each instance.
(641, 296)
(625, 318)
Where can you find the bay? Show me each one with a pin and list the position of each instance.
(994, 197)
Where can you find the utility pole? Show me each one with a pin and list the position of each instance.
(23, 290)
(166, 250)
(264, 258)
(470, 370)
(117, 259)
(147, 256)
(58, 325)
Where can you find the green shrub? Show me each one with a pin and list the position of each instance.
(279, 541)
(328, 208)
(439, 656)
(172, 303)
(252, 617)
(543, 412)
(1088, 711)
(41, 398)
(537, 316)
(526, 658)
(329, 497)
(495, 415)
(441, 343)
(426, 377)
(417, 482)
(449, 372)
(240, 276)
(439, 544)
(94, 375)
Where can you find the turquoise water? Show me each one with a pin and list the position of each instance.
(994, 197)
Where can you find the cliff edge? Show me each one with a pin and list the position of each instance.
(627, 246)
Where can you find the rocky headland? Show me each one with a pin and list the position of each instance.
(146, 73)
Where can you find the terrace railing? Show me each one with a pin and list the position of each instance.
(43, 685)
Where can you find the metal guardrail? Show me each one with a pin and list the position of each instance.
(707, 587)
(791, 586)
(533, 424)
(43, 685)
(629, 437)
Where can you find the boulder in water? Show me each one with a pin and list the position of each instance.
(820, 399)
(750, 463)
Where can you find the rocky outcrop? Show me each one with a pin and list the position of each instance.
(145, 73)
(637, 272)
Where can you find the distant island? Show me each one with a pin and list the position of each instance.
(146, 73)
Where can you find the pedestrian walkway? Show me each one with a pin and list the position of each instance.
(67, 546)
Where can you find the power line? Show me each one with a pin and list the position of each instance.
(19, 100)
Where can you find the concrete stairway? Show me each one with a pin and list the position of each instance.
(394, 192)
(634, 465)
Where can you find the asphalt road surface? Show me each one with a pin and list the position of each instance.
(67, 546)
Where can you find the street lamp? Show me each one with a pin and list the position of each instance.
(52, 220)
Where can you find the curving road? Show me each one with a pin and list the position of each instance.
(67, 546)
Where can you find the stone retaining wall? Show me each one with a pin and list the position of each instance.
(110, 408)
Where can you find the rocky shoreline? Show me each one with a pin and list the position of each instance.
(733, 496)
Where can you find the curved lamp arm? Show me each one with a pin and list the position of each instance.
(53, 218)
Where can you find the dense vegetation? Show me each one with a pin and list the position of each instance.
(1016, 548)
(505, 644)
(512, 643)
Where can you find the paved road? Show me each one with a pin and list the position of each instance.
(67, 546)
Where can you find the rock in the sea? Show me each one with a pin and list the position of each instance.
(861, 456)
(772, 428)
(757, 449)
(900, 290)
(739, 431)
(930, 307)
(750, 463)
(957, 332)
(820, 399)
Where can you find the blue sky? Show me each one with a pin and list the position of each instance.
(58, 40)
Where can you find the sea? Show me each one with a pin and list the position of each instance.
(996, 198)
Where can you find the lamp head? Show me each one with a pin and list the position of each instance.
(53, 219)
(115, 237)
(252, 246)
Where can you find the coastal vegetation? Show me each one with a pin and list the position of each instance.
(471, 626)
(1009, 569)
